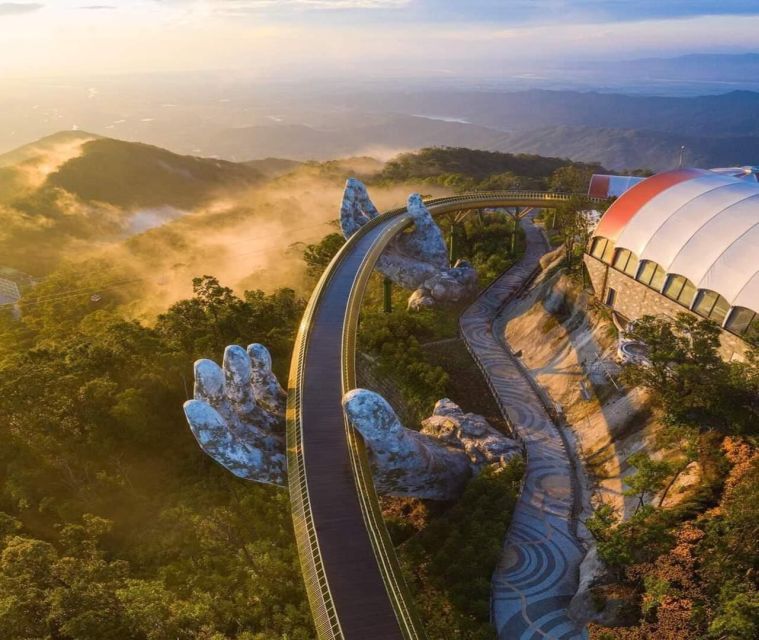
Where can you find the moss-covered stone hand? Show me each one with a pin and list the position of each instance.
(418, 260)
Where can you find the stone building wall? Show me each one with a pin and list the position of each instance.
(634, 299)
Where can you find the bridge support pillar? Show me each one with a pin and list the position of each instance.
(387, 286)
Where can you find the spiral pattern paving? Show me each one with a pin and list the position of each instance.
(538, 572)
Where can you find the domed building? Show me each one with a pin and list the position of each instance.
(683, 240)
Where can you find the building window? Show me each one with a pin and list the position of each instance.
(599, 244)
(608, 255)
(602, 249)
(711, 305)
(652, 275)
(680, 290)
(626, 262)
(611, 297)
(743, 322)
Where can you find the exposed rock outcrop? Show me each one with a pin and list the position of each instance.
(417, 260)
(238, 416)
(471, 432)
(448, 286)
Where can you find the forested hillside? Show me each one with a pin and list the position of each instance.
(113, 524)
(462, 168)
(75, 192)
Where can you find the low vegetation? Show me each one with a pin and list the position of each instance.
(449, 563)
(692, 568)
(394, 340)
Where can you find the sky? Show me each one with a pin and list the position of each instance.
(293, 39)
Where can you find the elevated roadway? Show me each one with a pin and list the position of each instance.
(351, 573)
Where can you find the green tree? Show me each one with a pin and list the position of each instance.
(174, 547)
(738, 618)
(572, 178)
(318, 256)
(572, 221)
(622, 543)
(688, 378)
(450, 563)
(649, 477)
(26, 577)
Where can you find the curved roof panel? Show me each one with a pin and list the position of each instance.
(668, 238)
(607, 186)
(698, 224)
(627, 205)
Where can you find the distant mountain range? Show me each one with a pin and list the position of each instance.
(615, 148)
(78, 187)
(621, 149)
(619, 131)
(734, 113)
(625, 114)
(700, 69)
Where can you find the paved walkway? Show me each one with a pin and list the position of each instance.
(538, 572)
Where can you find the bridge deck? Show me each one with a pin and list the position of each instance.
(355, 581)
(352, 578)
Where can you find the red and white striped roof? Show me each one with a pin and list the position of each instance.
(699, 224)
(605, 186)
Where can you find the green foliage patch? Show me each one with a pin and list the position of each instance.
(466, 169)
(449, 564)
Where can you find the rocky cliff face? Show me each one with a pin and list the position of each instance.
(417, 261)
(570, 347)
(237, 417)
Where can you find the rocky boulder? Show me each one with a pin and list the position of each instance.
(471, 433)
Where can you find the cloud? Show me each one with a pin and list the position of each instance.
(471, 12)
(16, 8)
(98, 7)
(303, 5)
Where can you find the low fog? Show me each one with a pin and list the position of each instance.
(249, 238)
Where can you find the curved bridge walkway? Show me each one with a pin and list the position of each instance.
(538, 572)
(351, 573)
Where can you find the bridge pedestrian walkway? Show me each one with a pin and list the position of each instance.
(539, 568)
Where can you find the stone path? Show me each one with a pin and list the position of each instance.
(539, 568)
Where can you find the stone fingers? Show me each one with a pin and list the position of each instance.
(227, 420)
(404, 462)
(241, 458)
(238, 373)
(209, 387)
(357, 209)
(266, 388)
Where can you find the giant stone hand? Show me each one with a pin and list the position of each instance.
(238, 414)
(417, 261)
(434, 463)
(357, 209)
